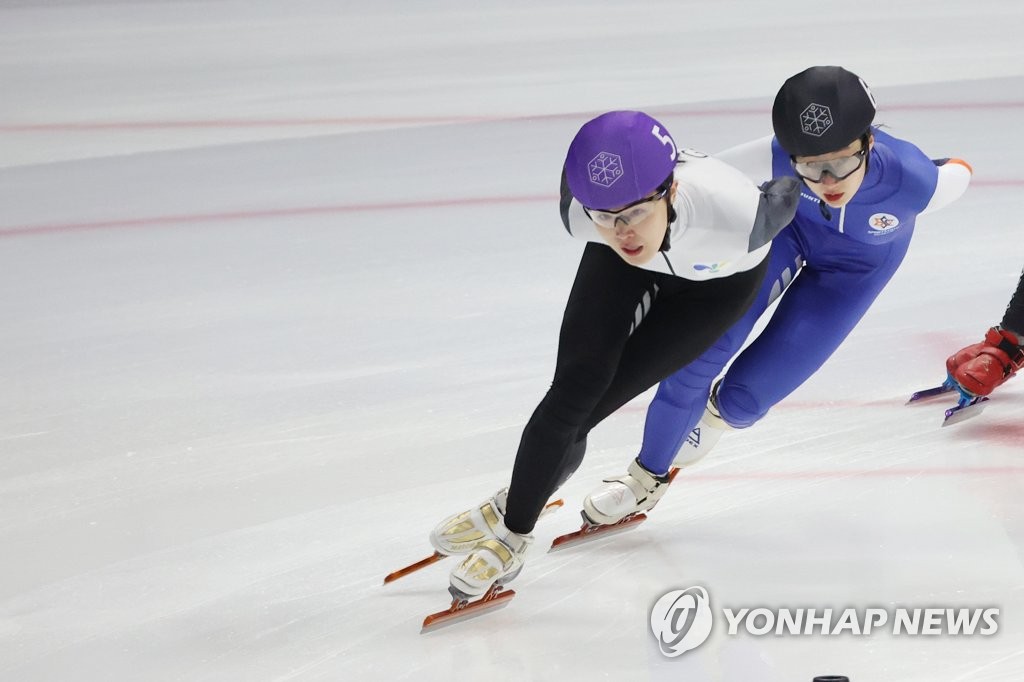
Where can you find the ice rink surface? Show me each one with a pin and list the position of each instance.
(280, 283)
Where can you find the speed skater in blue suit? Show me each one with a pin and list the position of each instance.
(863, 191)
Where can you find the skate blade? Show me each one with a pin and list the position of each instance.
(455, 614)
(593, 532)
(412, 568)
(960, 413)
(927, 393)
(554, 505)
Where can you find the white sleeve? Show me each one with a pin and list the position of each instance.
(954, 176)
(753, 159)
(718, 209)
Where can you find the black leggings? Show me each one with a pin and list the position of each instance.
(1013, 318)
(607, 356)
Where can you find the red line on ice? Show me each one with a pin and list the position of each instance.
(222, 216)
(188, 218)
(341, 121)
(842, 473)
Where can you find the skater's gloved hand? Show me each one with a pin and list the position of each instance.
(980, 368)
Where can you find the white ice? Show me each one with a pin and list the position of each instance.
(280, 283)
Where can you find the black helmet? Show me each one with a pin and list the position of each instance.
(822, 110)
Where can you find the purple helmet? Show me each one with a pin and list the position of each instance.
(618, 158)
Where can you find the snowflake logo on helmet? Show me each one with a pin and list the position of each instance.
(605, 169)
(815, 119)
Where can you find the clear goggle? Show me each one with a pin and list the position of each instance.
(631, 214)
(839, 169)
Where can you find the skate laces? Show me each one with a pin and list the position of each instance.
(649, 481)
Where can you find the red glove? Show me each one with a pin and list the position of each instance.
(979, 368)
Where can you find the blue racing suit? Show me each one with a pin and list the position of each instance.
(844, 258)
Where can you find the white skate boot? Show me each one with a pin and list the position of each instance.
(637, 491)
(705, 435)
(496, 555)
(462, 533)
(493, 563)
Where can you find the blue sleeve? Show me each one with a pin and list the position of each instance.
(919, 173)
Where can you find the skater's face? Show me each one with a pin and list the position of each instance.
(638, 231)
(832, 182)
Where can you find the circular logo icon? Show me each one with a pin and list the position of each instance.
(883, 222)
(681, 620)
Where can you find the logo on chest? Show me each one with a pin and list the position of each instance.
(710, 267)
(882, 223)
